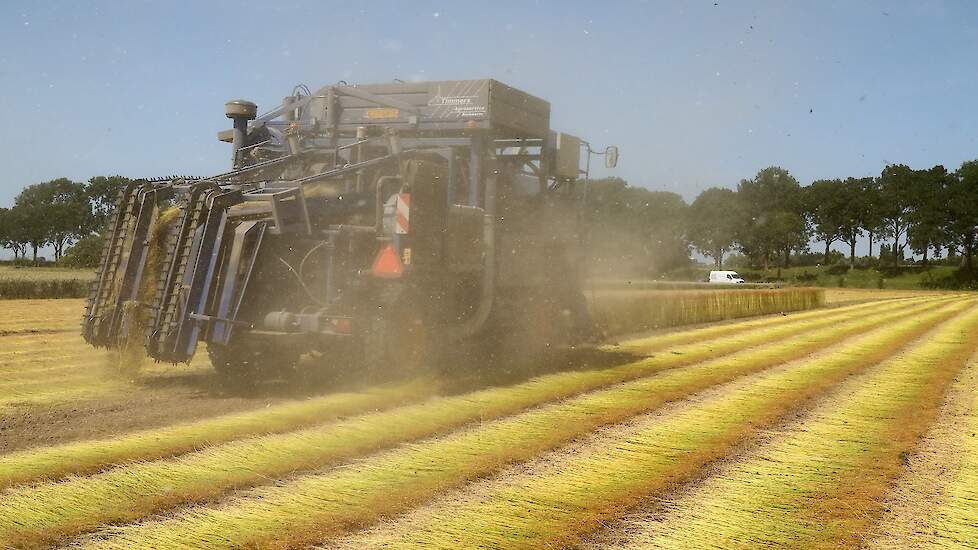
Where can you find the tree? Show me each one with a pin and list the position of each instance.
(71, 212)
(770, 215)
(664, 219)
(102, 192)
(33, 230)
(853, 213)
(6, 226)
(711, 223)
(870, 213)
(54, 212)
(84, 253)
(897, 183)
(961, 223)
(789, 231)
(635, 230)
(825, 206)
(929, 212)
(10, 232)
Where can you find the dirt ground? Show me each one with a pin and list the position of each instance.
(39, 425)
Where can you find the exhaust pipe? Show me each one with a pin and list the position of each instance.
(240, 111)
(487, 294)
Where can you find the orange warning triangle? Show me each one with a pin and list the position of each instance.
(387, 265)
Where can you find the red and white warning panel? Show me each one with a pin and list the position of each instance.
(402, 217)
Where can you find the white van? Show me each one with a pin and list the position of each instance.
(725, 277)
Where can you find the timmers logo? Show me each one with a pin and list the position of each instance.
(461, 101)
(453, 100)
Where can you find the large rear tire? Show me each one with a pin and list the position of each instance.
(396, 339)
(244, 363)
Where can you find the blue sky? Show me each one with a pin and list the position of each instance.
(697, 94)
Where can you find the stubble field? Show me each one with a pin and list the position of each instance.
(847, 426)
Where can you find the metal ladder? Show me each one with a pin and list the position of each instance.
(106, 286)
(169, 311)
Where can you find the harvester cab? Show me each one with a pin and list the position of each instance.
(391, 220)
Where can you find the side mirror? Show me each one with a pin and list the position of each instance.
(611, 156)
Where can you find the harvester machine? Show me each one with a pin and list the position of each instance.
(387, 222)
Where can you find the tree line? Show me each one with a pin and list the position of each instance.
(768, 218)
(58, 213)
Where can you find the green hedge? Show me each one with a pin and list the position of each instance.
(12, 289)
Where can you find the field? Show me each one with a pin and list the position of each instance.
(619, 311)
(838, 296)
(845, 426)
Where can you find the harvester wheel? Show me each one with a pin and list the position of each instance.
(395, 338)
(241, 363)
